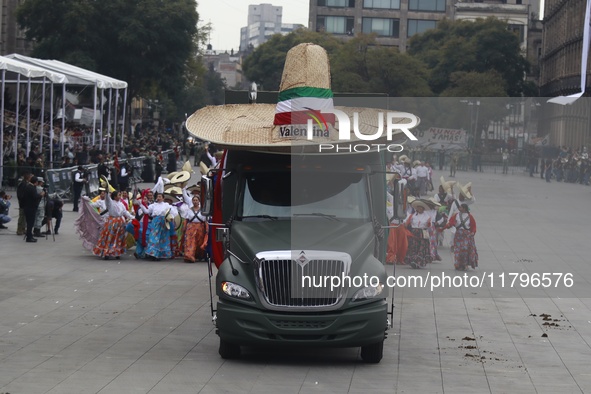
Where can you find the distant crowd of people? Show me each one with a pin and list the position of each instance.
(569, 166)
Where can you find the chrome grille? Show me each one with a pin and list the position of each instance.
(282, 285)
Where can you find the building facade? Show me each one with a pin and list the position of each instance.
(12, 38)
(228, 65)
(394, 21)
(264, 20)
(560, 73)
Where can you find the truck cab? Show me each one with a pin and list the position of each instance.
(301, 250)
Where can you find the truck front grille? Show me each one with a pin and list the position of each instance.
(284, 283)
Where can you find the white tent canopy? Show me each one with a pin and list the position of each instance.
(30, 71)
(76, 75)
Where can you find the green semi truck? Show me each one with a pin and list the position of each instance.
(303, 250)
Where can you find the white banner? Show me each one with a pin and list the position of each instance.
(437, 138)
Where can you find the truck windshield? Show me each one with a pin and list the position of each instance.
(283, 195)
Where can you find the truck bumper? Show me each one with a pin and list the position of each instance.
(241, 325)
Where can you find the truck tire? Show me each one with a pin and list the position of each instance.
(229, 351)
(372, 354)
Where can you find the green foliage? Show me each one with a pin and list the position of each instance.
(475, 84)
(358, 65)
(265, 64)
(480, 46)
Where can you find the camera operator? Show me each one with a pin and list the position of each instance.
(80, 179)
(4, 209)
(40, 214)
(53, 210)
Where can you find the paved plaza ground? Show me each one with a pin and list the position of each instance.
(72, 323)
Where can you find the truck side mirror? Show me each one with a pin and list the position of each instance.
(206, 196)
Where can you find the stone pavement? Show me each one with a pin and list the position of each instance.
(71, 323)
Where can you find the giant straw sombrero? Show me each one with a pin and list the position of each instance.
(304, 95)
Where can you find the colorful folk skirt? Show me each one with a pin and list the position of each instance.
(418, 253)
(158, 239)
(195, 240)
(111, 242)
(465, 252)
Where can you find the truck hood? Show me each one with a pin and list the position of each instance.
(249, 238)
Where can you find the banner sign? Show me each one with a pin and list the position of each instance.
(437, 138)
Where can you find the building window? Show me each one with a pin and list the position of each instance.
(387, 4)
(519, 31)
(336, 3)
(418, 26)
(382, 27)
(335, 24)
(426, 5)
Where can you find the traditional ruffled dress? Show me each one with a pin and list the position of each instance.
(465, 252)
(159, 234)
(111, 242)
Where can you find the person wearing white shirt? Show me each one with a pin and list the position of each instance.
(422, 178)
(196, 231)
(409, 175)
(162, 213)
(418, 254)
(111, 242)
(99, 202)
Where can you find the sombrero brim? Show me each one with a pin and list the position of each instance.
(174, 191)
(419, 203)
(464, 189)
(243, 126)
(180, 177)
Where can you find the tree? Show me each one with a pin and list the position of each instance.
(265, 64)
(358, 65)
(475, 84)
(149, 44)
(477, 46)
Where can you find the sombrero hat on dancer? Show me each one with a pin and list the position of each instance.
(188, 167)
(432, 203)
(104, 185)
(447, 186)
(465, 190)
(304, 96)
(416, 163)
(180, 178)
(167, 218)
(173, 191)
(171, 174)
(420, 203)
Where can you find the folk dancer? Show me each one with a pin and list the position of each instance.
(111, 242)
(197, 228)
(140, 226)
(162, 214)
(465, 253)
(418, 254)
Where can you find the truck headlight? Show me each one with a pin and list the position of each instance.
(368, 292)
(236, 291)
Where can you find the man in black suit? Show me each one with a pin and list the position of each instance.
(30, 203)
